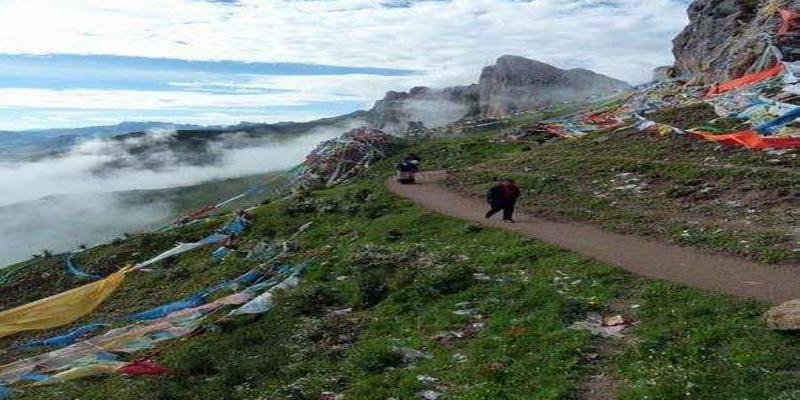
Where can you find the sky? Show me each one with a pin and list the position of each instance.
(73, 63)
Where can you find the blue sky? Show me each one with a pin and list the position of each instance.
(92, 62)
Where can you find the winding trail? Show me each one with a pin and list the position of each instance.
(648, 258)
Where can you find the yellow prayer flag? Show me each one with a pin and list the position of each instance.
(59, 309)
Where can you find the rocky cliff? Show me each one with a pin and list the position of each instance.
(512, 84)
(663, 73)
(728, 38)
(517, 84)
(430, 107)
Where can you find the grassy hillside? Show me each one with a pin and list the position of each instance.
(683, 190)
(412, 278)
(188, 198)
(66, 221)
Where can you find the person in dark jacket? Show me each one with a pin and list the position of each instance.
(503, 197)
(405, 172)
(414, 160)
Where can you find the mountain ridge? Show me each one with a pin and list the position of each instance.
(513, 83)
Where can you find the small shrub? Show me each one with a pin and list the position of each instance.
(450, 279)
(300, 208)
(194, 360)
(362, 195)
(376, 210)
(372, 288)
(309, 299)
(473, 228)
(375, 356)
(266, 232)
(394, 235)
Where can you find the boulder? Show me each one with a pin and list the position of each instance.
(663, 74)
(785, 317)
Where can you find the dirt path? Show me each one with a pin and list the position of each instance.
(687, 266)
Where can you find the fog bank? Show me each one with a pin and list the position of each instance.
(60, 202)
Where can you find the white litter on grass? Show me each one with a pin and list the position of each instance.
(481, 277)
(339, 313)
(410, 355)
(429, 395)
(594, 324)
(427, 379)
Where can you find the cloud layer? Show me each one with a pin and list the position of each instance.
(444, 42)
(77, 171)
(618, 37)
(59, 203)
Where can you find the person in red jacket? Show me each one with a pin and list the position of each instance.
(503, 197)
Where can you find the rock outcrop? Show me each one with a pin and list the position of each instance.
(726, 38)
(517, 84)
(664, 73)
(784, 317)
(512, 84)
(423, 106)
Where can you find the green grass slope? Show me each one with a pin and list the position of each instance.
(412, 278)
(683, 190)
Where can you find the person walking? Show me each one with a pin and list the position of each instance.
(405, 172)
(414, 160)
(503, 197)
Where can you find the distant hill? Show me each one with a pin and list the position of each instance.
(203, 146)
(39, 141)
(518, 84)
(67, 220)
(285, 129)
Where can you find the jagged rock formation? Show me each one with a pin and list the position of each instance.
(726, 38)
(512, 84)
(664, 73)
(517, 84)
(422, 105)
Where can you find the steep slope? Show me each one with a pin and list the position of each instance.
(513, 84)
(677, 189)
(63, 222)
(398, 302)
(725, 38)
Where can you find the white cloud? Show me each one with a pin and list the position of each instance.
(59, 203)
(449, 40)
(153, 100)
(310, 88)
(238, 101)
(74, 173)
